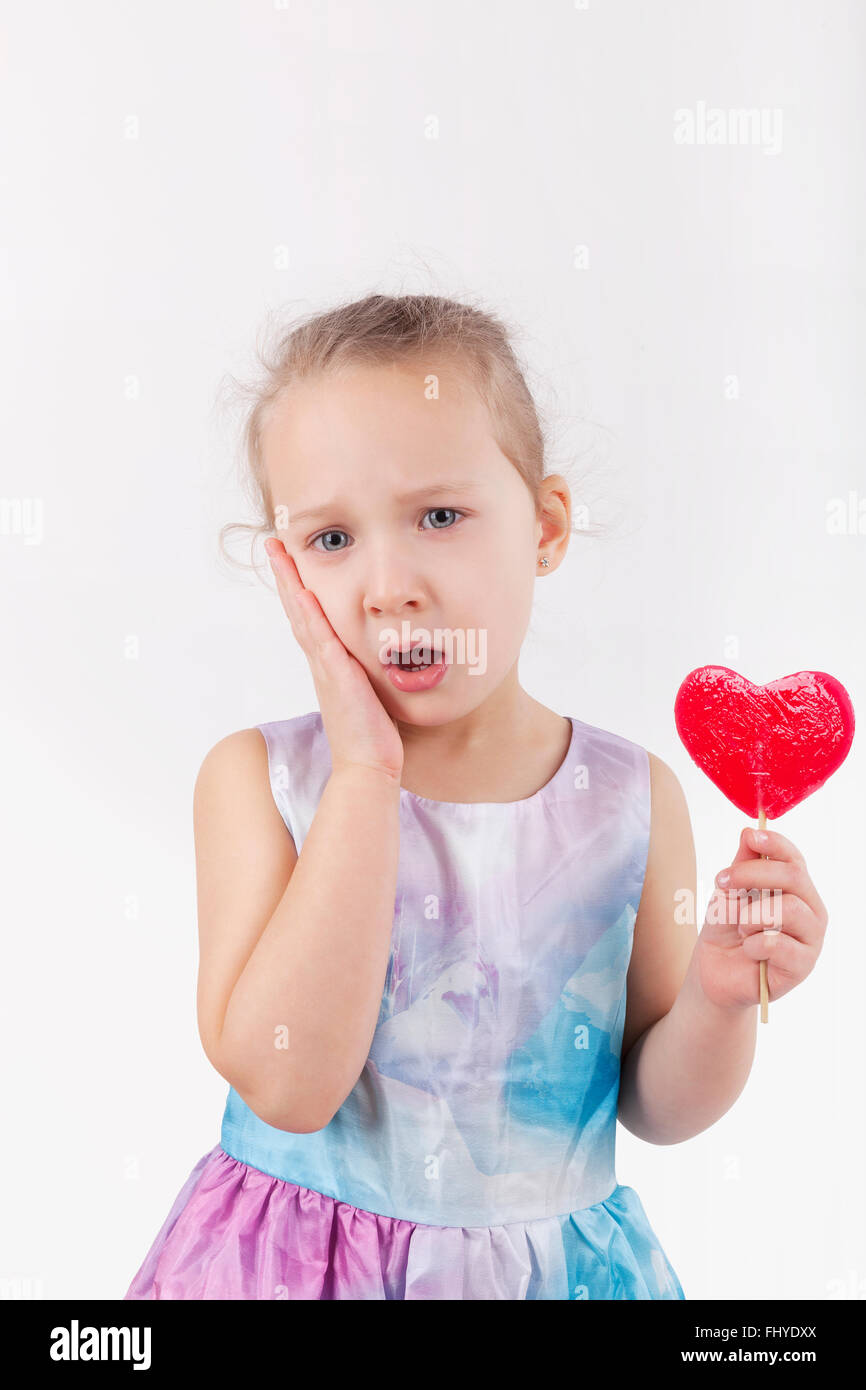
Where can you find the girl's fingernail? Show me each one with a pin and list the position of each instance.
(723, 877)
(761, 836)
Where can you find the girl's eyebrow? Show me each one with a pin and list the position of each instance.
(332, 508)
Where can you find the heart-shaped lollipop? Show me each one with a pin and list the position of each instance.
(767, 747)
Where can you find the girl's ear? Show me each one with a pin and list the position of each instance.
(554, 518)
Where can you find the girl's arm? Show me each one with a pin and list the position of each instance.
(685, 1060)
(293, 949)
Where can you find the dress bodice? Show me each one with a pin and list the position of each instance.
(489, 1095)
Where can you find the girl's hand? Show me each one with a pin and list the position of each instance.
(733, 938)
(360, 731)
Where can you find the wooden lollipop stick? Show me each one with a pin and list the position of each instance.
(765, 991)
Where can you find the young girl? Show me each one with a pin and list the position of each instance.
(440, 951)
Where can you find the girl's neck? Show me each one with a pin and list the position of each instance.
(503, 751)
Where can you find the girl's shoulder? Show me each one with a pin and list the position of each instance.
(601, 742)
(653, 774)
(269, 776)
(298, 743)
(253, 756)
(248, 745)
(294, 729)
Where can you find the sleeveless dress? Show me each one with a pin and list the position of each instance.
(474, 1158)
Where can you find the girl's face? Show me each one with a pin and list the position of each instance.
(398, 507)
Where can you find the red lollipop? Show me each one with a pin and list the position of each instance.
(767, 747)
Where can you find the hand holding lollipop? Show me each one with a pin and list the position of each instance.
(767, 747)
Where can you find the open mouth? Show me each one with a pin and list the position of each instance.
(415, 659)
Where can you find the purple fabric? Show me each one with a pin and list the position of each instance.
(237, 1233)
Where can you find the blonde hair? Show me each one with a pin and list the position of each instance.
(381, 330)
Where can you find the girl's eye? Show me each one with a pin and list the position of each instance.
(329, 536)
(440, 512)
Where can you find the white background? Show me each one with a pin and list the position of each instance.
(173, 172)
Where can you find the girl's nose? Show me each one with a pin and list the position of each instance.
(391, 587)
(393, 601)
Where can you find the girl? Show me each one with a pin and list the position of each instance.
(440, 954)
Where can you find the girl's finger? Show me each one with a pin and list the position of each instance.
(301, 603)
(791, 876)
(327, 643)
(784, 956)
(775, 846)
(308, 606)
(295, 610)
(288, 581)
(761, 873)
(283, 566)
(787, 912)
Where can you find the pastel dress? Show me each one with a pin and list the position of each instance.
(474, 1158)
